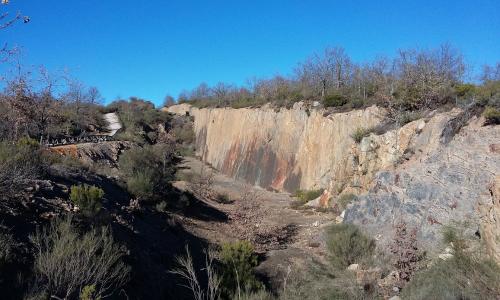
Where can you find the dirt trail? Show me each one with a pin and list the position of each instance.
(285, 236)
(113, 123)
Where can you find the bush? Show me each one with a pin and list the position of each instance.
(407, 116)
(465, 275)
(348, 245)
(492, 115)
(7, 245)
(238, 260)
(261, 294)
(346, 199)
(357, 103)
(223, 199)
(141, 184)
(460, 277)
(465, 90)
(161, 207)
(184, 134)
(360, 133)
(148, 170)
(320, 282)
(88, 198)
(88, 292)
(20, 164)
(334, 100)
(67, 261)
(308, 195)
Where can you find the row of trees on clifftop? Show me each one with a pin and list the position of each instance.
(412, 79)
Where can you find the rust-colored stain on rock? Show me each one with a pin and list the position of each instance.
(68, 150)
(259, 164)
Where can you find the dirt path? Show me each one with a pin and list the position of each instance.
(113, 123)
(285, 236)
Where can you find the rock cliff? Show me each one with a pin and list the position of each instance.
(440, 184)
(428, 173)
(283, 150)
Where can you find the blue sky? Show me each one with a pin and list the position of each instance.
(151, 48)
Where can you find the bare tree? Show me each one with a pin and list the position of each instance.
(490, 73)
(201, 92)
(186, 271)
(326, 70)
(168, 101)
(220, 91)
(6, 20)
(93, 95)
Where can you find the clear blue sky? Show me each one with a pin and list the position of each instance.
(151, 48)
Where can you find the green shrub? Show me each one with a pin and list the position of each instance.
(238, 260)
(348, 245)
(357, 103)
(20, 164)
(88, 292)
(28, 142)
(223, 199)
(261, 294)
(148, 170)
(406, 117)
(492, 115)
(67, 261)
(88, 198)
(465, 90)
(141, 184)
(161, 207)
(461, 277)
(184, 134)
(334, 100)
(308, 195)
(7, 244)
(320, 282)
(360, 133)
(346, 199)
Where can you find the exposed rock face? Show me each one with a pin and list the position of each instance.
(439, 185)
(105, 152)
(284, 150)
(428, 173)
(489, 211)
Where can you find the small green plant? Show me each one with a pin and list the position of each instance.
(465, 275)
(357, 103)
(223, 199)
(360, 133)
(141, 185)
(462, 276)
(308, 195)
(346, 199)
(492, 115)
(334, 100)
(87, 198)
(161, 207)
(408, 116)
(348, 245)
(238, 260)
(7, 244)
(452, 236)
(88, 292)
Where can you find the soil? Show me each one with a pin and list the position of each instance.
(286, 238)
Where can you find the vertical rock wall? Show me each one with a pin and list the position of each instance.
(282, 150)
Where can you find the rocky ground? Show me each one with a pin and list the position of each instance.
(286, 237)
